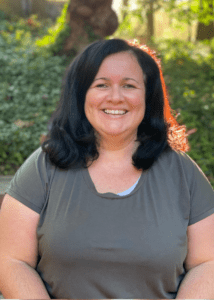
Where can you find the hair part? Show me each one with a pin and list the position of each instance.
(71, 140)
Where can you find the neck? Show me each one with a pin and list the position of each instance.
(117, 149)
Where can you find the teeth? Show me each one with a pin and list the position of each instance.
(115, 112)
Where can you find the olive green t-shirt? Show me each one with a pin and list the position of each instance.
(106, 246)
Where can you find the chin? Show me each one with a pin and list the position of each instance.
(114, 133)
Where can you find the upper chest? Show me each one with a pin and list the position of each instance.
(113, 179)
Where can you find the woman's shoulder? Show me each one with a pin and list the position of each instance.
(180, 166)
(178, 157)
(30, 182)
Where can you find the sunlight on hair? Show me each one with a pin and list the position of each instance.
(177, 136)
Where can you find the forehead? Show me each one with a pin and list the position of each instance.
(120, 60)
(122, 64)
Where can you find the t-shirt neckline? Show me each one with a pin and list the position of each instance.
(91, 186)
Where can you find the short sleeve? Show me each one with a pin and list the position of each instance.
(29, 184)
(201, 191)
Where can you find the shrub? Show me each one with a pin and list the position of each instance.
(30, 83)
(189, 77)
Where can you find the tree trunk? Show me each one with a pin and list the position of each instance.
(189, 24)
(26, 7)
(89, 20)
(205, 31)
(124, 8)
(150, 21)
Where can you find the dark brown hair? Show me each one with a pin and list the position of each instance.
(71, 140)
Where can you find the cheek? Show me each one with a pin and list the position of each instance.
(91, 99)
(90, 107)
(88, 101)
(137, 99)
(138, 103)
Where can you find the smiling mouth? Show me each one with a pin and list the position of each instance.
(115, 112)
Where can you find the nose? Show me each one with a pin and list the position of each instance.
(116, 93)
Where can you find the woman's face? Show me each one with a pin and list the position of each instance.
(115, 101)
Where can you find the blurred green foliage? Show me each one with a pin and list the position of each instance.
(57, 34)
(133, 24)
(188, 11)
(189, 78)
(30, 86)
(30, 81)
(54, 40)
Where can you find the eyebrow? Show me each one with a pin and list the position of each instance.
(127, 78)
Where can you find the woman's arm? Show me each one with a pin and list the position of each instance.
(19, 252)
(198, 283)
(199, 280)
(20, 281)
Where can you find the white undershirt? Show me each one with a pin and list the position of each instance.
(129, 190)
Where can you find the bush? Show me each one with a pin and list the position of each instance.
(3, 15)
(189, 78)
(30, 82)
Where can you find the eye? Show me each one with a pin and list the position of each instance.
(129, 86)
(101, 85)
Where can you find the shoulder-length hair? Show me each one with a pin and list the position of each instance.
(71, 142)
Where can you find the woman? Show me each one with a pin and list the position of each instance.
(110, 206)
